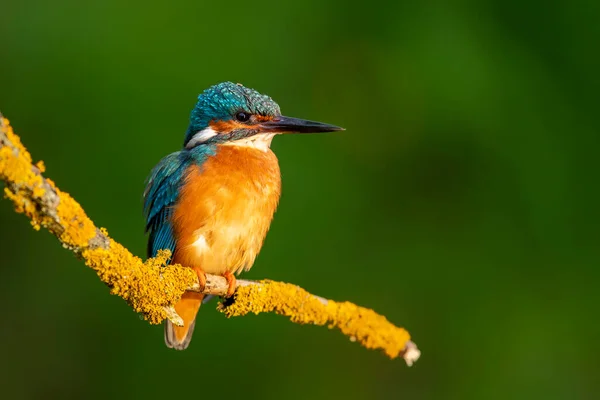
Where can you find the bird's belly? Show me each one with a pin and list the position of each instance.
(225, 210)
(231, 244)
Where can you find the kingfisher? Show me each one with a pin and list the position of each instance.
(211, 203)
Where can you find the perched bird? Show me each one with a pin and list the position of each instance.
(212, 203)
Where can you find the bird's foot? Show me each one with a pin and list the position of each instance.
(231, 282)
(201, 277)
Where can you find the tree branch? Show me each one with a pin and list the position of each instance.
(152, 287)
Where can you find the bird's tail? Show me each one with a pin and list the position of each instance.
(179, 337)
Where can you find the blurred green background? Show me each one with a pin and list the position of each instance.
(461, 202)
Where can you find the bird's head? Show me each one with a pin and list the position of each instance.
(229, 113)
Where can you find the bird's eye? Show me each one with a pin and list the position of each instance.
(242, 116)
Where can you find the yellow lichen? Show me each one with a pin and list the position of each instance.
(14, 139)
(15, 167)
(148, 286)
(78, 228)
(372, 330)
(41, 166)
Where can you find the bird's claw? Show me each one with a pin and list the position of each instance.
(231, 282)
(201, 278)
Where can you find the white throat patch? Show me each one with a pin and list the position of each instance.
(260, 141)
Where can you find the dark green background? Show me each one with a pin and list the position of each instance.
(461, 202)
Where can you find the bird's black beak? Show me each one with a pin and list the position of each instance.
(283, 124)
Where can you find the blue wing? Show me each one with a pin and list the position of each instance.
(162, 189)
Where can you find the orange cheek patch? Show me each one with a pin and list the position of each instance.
(231, 125)
(263, 118)
(226, 126)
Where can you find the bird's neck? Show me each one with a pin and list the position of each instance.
(254, 157)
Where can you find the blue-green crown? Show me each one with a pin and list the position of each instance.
(223, 101)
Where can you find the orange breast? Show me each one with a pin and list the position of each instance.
(225, 209)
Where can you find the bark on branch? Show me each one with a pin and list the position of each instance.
(152, 287)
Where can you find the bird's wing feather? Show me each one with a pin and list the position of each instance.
(160, 195)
